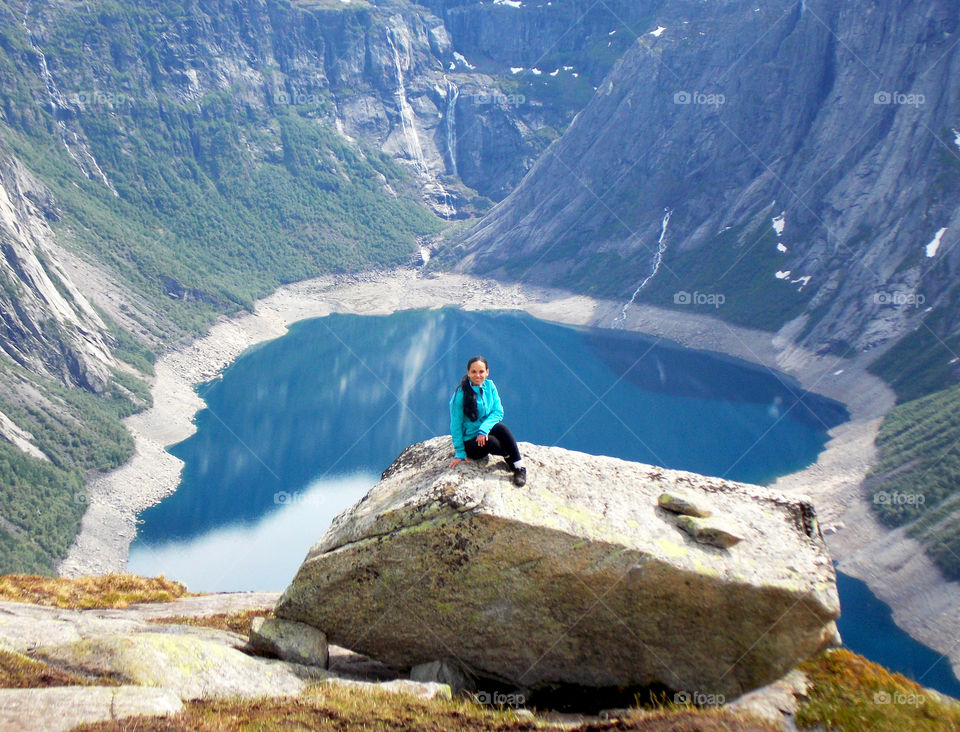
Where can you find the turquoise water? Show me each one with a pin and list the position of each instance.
(299, 428)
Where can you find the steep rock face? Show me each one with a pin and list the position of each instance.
(46, 324)
(807, 155)
(578, 578)
(390, 74)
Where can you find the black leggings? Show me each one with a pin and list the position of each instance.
(500, 441)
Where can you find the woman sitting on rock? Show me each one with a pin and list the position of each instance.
(475, 414)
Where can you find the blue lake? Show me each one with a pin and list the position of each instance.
(299, 428)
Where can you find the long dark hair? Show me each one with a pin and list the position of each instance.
(470, 410)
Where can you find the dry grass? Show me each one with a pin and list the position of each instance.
(851, 694)
(685, 720)
(21, 672)
(83, 593)
(238, 622)
(349, 710)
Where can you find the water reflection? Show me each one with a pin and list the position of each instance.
(260, 556)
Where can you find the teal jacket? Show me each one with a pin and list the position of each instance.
(489, 412)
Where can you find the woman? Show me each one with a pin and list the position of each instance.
(475, 414)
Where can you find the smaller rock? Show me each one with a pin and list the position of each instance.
(290, 641)
(709, 531)
(446, 672)
(683, 503)
(777, 702)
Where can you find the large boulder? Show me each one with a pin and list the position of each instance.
(579, 578)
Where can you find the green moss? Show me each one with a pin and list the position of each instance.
(851, 694)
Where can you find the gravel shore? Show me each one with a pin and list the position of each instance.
(924, 604)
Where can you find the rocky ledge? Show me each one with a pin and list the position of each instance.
(599, 573)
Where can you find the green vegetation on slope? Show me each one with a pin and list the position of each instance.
(79, 432)
(917, 480)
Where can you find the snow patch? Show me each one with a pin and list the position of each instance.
(934, 244)
(779, 222)
(956, 138)
(804, 281)
(462, 59)
(782, 274)
(516, 69)
(781, 247)
(658, 32)
(536, 72)
(511, 3)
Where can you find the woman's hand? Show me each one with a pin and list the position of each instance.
(456, 461)
(481, 440)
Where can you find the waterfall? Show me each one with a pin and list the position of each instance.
(414, 149)
(437, 196)
(56, 101)
(450, 124)
(657, 261)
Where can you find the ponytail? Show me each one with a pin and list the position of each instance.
(470, 410)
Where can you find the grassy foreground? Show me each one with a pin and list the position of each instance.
(848, 693)
(851, 693)
(337, 708)
(84, 593)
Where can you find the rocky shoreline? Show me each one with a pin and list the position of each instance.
(115, 499)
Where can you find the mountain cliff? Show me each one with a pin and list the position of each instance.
(807, 155)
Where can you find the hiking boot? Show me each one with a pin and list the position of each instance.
(520, 477)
